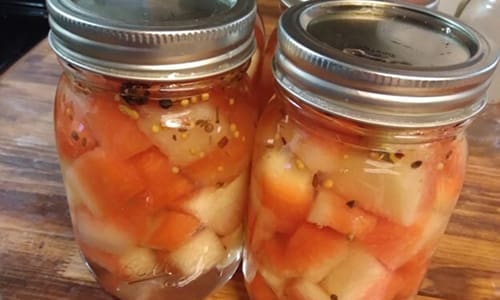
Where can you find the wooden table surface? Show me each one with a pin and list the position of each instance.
(38, 256)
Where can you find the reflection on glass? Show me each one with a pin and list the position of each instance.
(155, 12)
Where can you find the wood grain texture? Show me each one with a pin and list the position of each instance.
(39, 259)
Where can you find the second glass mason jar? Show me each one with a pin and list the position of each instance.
(154, 123)
(360, 158)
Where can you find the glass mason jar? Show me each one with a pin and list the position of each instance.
(154, 123)
(266, 83)
(360, 157)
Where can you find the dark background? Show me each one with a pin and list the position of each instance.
(23, 23)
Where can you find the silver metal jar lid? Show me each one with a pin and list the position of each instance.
(154, 40)
(429, 4)
(383, 63)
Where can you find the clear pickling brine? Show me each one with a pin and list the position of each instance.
(154, 125)
(360, 157)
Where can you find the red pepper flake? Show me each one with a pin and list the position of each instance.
(84, 142)
(219, 184)
(334, 297)
(74, 135)
(174, 137)
(399, 155)
(448, 155)
(351, 203)
(223, 142)
(201, 123)
(416, 164)
(217, 120)
(315, 181)
(283, 140)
